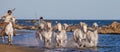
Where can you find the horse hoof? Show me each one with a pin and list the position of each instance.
(84, 46)
(9, 44)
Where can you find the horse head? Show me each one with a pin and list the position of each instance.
(95, 25)
(65, 26)
(84, 27)
(59, 27)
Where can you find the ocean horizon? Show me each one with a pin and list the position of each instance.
(29, 22)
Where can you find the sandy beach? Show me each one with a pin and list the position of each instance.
(12, 48)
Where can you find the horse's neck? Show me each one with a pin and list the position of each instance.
(9, 28)
(95, 32)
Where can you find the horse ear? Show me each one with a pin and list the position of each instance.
(95, 24)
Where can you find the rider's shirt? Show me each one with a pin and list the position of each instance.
(8, 18)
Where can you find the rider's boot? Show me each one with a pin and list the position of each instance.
(14, 33)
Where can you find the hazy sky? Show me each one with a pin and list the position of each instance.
(62, 9)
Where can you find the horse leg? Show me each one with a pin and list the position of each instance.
(57, 43)
(96, 43)
(10, 39)
(50, 42)
(45, 42)
(3, 39)
(61, 41)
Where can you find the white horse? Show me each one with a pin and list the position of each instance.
(65, 26)
(79, 35)
(60, 35)
(95, 33)
(9, 31)
(92, 36)
(45, 33)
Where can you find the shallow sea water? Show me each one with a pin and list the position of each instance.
(106, 43)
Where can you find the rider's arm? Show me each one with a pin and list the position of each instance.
(4, 16)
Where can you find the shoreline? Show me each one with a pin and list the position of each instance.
(14, 48)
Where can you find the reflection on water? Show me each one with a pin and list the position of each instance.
(107, 43)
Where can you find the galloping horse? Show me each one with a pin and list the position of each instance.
(79, 34)
(45, 33)
(60, 35)
(92, 36)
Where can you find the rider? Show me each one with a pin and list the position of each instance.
(7, 18)
(41, 21)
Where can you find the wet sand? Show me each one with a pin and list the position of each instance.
(12, 48)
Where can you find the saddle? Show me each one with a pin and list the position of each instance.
(4, 34)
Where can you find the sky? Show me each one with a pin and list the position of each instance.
(62, 9)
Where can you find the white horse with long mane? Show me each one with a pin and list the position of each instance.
(92, 36)
(45, 33)
(9, 30)
(86, 38)
(60, 35)
(79, 35)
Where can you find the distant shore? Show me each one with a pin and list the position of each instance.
(113, 28)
